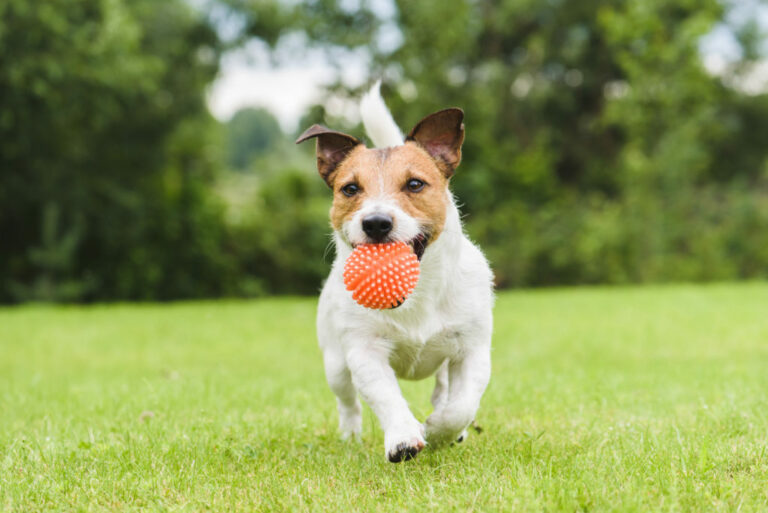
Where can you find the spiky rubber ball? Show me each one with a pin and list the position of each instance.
(381, 276)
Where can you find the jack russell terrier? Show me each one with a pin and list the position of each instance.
(398, 191)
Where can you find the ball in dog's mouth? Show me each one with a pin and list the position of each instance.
(418, 244)
(382, 276)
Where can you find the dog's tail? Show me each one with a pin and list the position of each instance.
(377, 120)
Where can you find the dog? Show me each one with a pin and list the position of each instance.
(399, 191)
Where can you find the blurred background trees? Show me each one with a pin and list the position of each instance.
(107, 152)
(599, 148)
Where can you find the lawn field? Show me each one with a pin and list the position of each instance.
(601, 399)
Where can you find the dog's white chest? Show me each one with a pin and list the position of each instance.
(417, 352)
(417, 362)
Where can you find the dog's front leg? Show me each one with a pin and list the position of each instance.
(374, 378)
(340, 381)
(467, 378)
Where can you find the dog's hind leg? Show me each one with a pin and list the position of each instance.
(440, 393)
(340, 381)
(467, 379)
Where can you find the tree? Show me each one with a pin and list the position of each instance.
(251, 132)
(595, 136)
(104, 121)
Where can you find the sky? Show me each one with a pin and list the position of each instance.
(286, 91)
(248, 77)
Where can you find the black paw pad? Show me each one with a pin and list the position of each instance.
(403, 452)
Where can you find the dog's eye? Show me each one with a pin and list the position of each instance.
(350, 189)
(415, 185)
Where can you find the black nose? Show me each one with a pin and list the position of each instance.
(377, 226)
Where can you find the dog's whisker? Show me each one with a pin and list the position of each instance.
(328, 248)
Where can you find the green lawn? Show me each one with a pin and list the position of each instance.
(626, 399)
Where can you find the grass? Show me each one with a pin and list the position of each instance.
(630, 399)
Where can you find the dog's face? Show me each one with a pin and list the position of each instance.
(391, 194)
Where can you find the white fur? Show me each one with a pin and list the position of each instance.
(404, 228)
(377, 120)
(444, 327)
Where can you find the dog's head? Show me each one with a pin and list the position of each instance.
(391, 194)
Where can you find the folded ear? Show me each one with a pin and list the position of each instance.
(332, 147)
(441, 134)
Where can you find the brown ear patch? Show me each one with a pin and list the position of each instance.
(441, 134)
(331, 149)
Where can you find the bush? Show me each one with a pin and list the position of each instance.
(282, 238)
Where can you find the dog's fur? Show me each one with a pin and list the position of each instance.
(444, 327)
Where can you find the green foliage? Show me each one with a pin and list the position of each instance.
(103, 115)
(54, 262)
(283, 245)
(621, 399)
(598, 149)
(250, 133)
(281, 233)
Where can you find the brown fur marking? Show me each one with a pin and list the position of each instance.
(386, 172)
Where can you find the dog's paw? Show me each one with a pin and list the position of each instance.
(442, 429)
(464, 434)
(404, 444)
(350, 422)
(351, 435)
(351, 428)
(441, 438)
(405, 451)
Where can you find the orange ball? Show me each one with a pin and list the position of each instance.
(381, 276)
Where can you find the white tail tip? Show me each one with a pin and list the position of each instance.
(377, 120)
